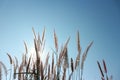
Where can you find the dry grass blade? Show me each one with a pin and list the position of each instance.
(4, 67)
(43, 46)
(28, 64)
(55, 76)
(19, 71)
(79, 51)
(82, 64)
(43, 35)
(66, 63)
(26, 49)
(36, 49)
(21, 68)
(15, 69)
(24, 60)
(39, 43)
(34, 33)
(49, 72)
(16, 62)
(78, 43)
(46, 61)
(72, 65)
(10, 58)
(52, 62)
(77, 60)
(56, 41)
(86, 51)
(67, 42)
(65, 48)
(100, 69)
(63, 53)
(41, 70)
(105, 68)
(33, 68)
(85, 54)
(60, 58)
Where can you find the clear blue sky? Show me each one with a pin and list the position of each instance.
(97, 20)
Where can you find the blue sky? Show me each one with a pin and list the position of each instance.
(96, 20)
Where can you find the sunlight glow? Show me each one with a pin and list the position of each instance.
(33, 54)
